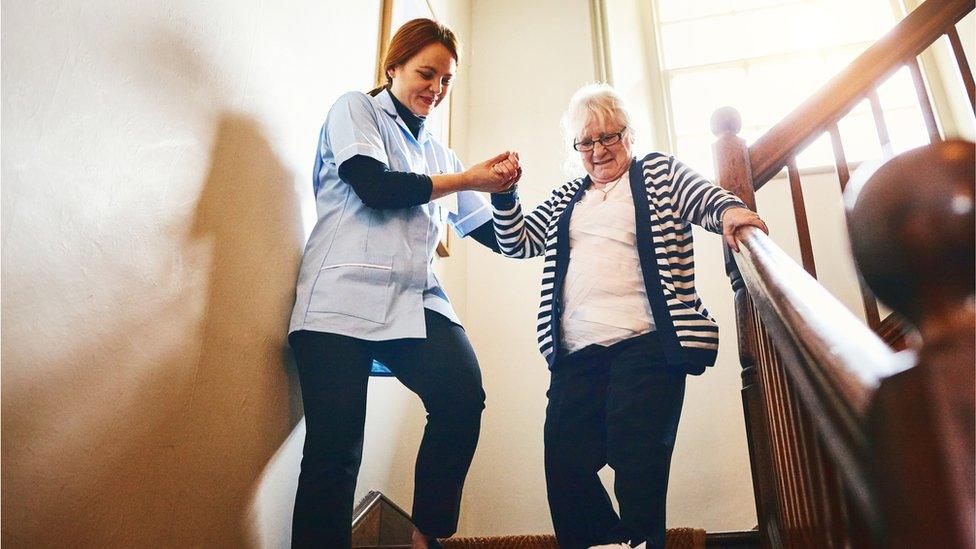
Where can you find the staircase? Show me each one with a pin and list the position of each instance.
(852, 444)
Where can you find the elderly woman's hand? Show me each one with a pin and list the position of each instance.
(509, 168)
(495, 174)
(734, 218)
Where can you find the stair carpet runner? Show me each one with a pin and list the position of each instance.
(676, 538)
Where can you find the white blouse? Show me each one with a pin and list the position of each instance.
(604, 299)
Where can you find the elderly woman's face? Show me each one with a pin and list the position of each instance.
(605, 163)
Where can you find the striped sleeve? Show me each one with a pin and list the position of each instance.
(522, 236)
(698, 200)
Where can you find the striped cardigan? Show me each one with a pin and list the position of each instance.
(668, 197)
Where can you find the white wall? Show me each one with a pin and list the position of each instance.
(156, 196)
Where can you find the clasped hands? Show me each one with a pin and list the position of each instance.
(497, 174)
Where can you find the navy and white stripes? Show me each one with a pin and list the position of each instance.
(668, 198)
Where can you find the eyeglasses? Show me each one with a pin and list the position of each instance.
(586, 145)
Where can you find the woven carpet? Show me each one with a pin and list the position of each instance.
(677, 538)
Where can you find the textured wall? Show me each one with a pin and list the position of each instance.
(156, 163)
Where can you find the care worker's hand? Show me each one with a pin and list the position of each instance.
(734, 218)
(486, 177)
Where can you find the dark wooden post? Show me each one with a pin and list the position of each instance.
(912, 233)
(733, 173)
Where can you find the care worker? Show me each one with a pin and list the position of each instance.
(366, 291)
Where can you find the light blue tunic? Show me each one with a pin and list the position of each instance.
(366, 273)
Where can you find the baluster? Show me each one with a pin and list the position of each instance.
(963, 64)
(770, 393)
(829, 521)
(776, 429)
(840, 159)
(800, 212)
(879, 123)
(813, 524)
(924, 102)
(794, 459)
(787, 444)
(844, 175)
(835, 490)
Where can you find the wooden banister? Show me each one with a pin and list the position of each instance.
(802, 126)
(852, 444)
(849, 360)
(892, 434)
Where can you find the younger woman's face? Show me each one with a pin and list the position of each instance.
(424, 80)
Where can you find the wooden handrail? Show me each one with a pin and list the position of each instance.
(840, 361)
(808, 121)
(850, 357)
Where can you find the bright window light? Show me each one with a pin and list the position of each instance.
(765, 57)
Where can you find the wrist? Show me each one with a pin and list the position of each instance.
(465, 181)
(727, 208)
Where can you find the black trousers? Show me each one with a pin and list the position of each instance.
(334, 371)
(616, 405)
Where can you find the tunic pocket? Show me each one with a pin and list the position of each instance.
(356, 288)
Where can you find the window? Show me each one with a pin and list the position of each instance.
(764, 57)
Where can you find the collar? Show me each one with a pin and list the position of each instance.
(588, 181)
(386, 102)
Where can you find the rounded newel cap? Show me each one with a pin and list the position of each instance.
(726, 120)
(912, 223)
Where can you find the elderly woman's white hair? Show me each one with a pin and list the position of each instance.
(597, 101)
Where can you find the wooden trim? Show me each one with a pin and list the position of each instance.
(748, 539)
(661, 117)
(371, 501)
(802, 126)
(602, 66)
(386, 20)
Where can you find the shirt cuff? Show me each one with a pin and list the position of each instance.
(504, 201)
(362, 149)
(473, 212)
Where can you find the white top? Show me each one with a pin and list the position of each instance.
(604, 299)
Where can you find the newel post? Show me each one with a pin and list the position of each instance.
(912, 224)
(733, 173)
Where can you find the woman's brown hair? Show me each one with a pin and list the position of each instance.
(412, 37)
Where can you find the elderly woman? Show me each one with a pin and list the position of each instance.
(620, 322)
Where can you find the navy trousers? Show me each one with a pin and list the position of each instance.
(616, 405)
(334, 370)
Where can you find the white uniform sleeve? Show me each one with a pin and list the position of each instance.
(473, 210)
(352, 129)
